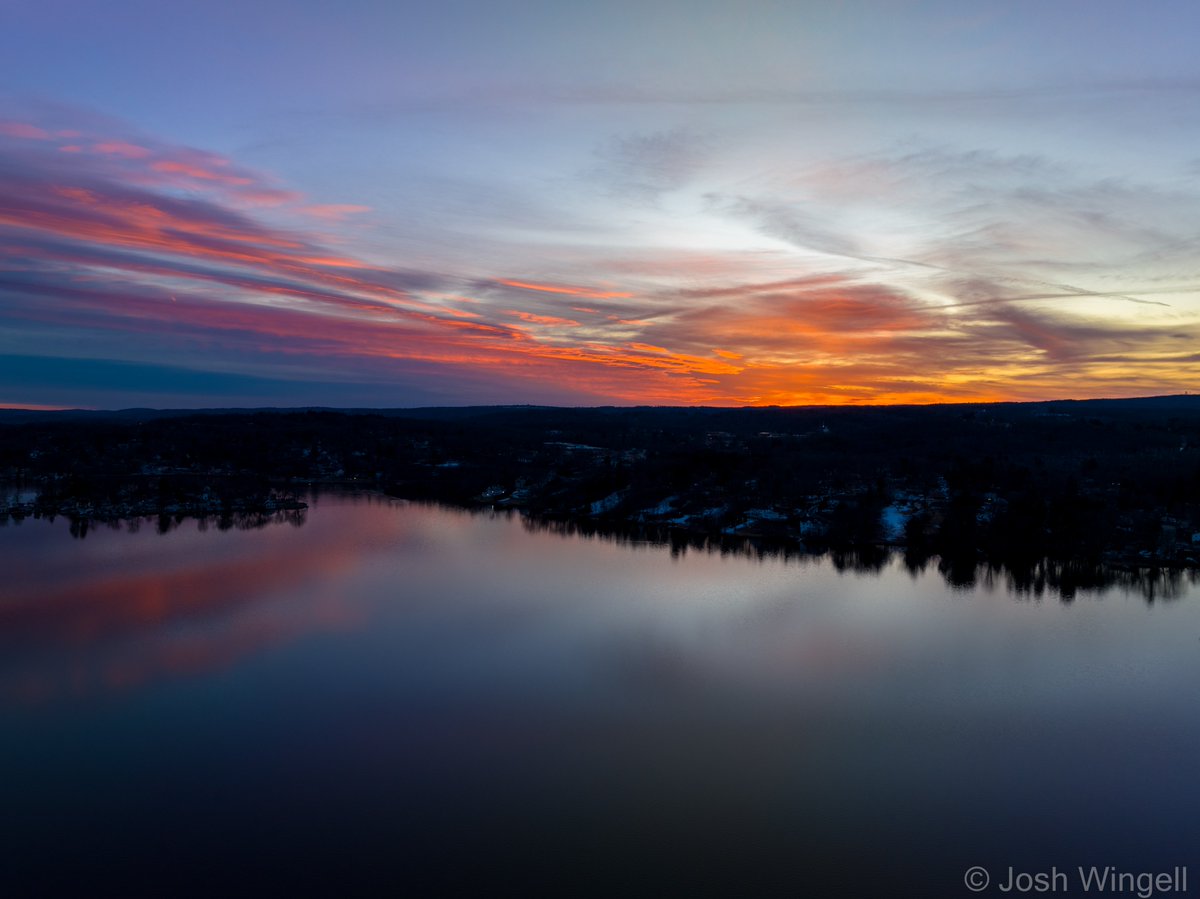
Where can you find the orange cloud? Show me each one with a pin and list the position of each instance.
(637, 357)
(563, 289)
(632, 322)
(648, 348)
(550, 320)
(108, 241)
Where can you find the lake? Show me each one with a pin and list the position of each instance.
(405, 699)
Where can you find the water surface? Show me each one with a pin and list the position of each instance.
(400, 697)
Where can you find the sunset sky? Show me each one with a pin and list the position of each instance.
(673, 202)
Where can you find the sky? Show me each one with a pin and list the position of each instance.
(689, 203)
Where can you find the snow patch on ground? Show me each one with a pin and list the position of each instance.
(891, 523)
(610, 502)
(665, 507)
(765, 515)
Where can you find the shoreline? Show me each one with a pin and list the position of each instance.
(1032, 577)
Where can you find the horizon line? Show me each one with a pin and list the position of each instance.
(51, 409)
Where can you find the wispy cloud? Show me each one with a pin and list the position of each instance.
(642, 167)
(565, 289)
(924, 272)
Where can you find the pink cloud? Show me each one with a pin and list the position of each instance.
(139, 237)
(23, 130)
(198, 172)
(334, 212)
(268, 197)
(121, 148)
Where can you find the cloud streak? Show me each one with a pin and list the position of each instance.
(810, 284)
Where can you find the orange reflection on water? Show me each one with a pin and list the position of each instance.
(176, 606)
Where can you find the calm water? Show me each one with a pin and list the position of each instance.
(405, 699)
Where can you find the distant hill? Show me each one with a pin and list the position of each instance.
(1176, 402)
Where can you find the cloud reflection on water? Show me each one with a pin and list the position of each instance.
(83, 618)
(132, 608)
